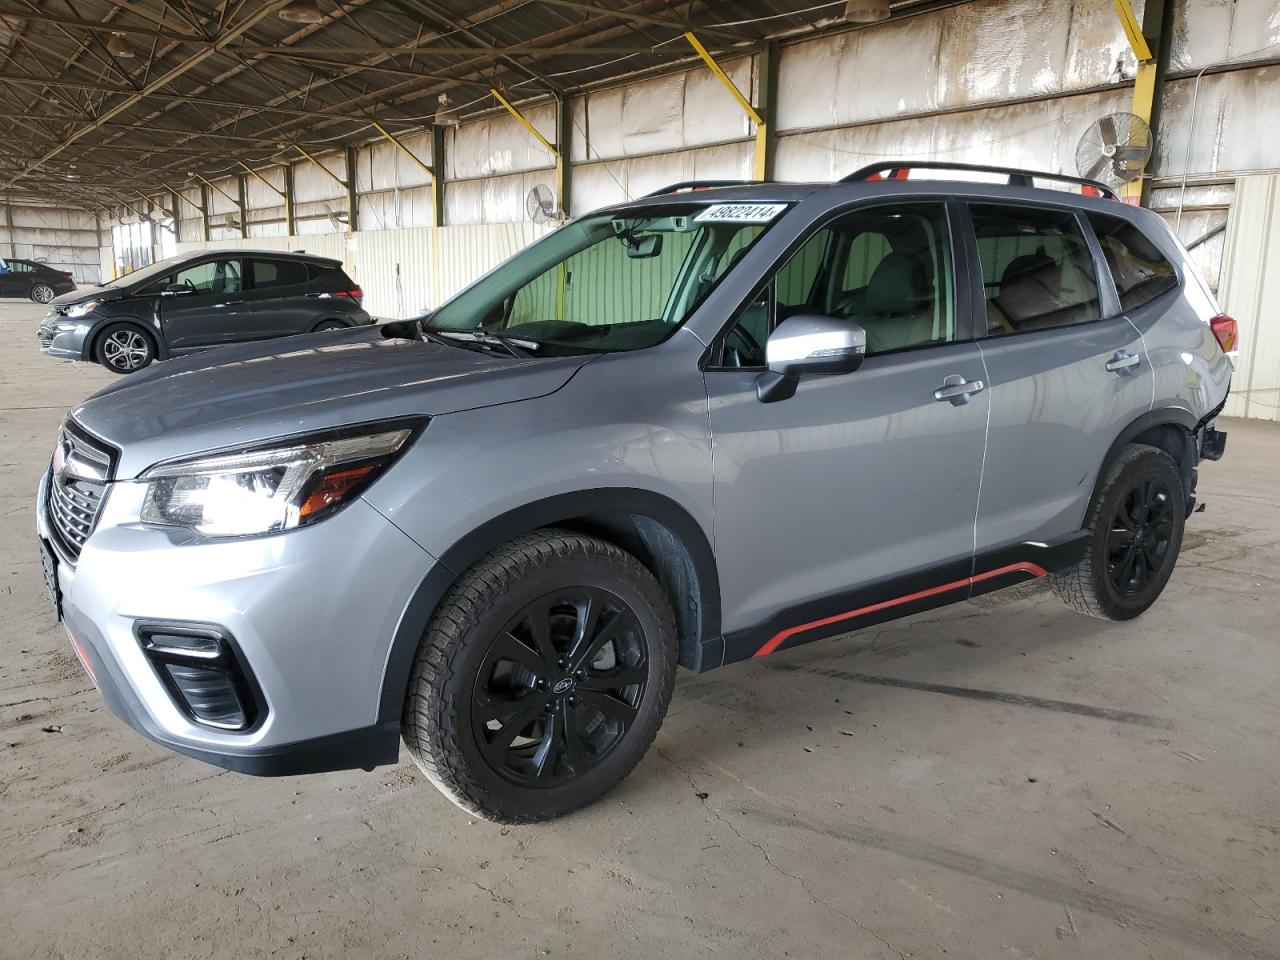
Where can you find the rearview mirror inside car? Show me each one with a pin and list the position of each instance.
(641, 248)
(808, 343)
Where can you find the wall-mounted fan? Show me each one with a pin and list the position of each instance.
(540, 204)
(1115, 149)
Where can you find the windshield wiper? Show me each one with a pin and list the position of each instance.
(515, 346)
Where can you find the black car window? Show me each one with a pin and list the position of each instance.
(1140, 271)
(21, 266)
(1037, 270)
(278, 273)
(214, 278)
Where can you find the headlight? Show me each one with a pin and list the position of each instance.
(289, 484)
(80, 309)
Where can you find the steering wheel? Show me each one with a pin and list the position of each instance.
(745, 339)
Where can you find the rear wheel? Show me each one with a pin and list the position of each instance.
(542, 678)
(42, 293)
(123, 348)
(1135, 532)
(324, 325)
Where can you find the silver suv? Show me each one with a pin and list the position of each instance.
(707, 425)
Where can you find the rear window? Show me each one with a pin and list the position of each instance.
(328, 275)
(1037, 271)
(278, 273)
(1141, 272)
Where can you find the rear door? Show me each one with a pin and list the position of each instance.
(1067, 370)
(279, 292)
(17, 281)
(213, 313)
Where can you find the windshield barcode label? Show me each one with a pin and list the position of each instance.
(740, 212)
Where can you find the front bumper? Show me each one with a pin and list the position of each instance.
(64, 344)
(312, 611)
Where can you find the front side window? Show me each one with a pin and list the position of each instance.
(215, 278)
(1037, 271)
(278, 273)
(1140, 271)
(611, 281)
(887, 268)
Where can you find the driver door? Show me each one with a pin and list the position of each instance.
(862, 488)
(213, 313)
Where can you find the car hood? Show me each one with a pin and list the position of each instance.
(232, 396)
(84, 295)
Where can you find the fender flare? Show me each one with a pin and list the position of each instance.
(560, 509)
(1160, 417)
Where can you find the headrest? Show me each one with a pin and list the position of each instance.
(898, 285)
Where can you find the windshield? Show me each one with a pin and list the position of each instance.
(609, 282)
(143, 274)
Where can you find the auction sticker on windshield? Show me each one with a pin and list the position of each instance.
(740, 212)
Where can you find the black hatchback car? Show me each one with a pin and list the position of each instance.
(196, 301)
(31, 278)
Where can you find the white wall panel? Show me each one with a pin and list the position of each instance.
(258, 194)
(1250, 292)
(1231, 129)
(1211, 31)
(599, 184)
(499, 145)
(310, 183)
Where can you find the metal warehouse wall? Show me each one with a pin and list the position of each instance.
(64, 238)
(1012, 82)
(1251, 293)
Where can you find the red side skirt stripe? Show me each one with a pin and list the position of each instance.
(783, 636)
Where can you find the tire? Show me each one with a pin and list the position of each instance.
(42, 293)
(325, 325)
(124, 348)
(503, 732)
(1135, 529)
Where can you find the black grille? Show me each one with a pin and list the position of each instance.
(77, 487)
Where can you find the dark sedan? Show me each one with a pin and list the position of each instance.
(33, 279)
(196, 301)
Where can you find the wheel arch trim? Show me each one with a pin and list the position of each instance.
(1159, 417)
(562, 509)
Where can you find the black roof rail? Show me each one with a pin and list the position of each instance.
(685, 186)
(898, 169)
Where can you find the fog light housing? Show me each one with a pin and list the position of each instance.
(201, 668)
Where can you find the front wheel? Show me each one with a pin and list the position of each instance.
(42, 293)
(1135, 532)
(123, 348)
(326, 325)
(542, 679)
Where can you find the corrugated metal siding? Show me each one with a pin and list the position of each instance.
(1251, 293)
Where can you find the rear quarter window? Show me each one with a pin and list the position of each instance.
(278, 273)
(1141, 272)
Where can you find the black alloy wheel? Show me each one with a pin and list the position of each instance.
(559, 686)
(1139, 540)
(1134, 527)
(542, 678)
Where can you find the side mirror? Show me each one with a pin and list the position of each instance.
(808, 343)
(175, 290)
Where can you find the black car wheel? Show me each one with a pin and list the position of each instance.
(1135, 532)
(325, 325)
(42, 293)
(123, 348)
(542, 679)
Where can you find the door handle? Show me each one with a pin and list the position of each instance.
(958, 390)
(1122, 360)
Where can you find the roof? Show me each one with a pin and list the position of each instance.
(205, 85)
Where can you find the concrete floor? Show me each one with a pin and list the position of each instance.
(1001, 778)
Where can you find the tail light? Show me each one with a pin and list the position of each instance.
(1224, 331)
(69, 277)
(355, 293)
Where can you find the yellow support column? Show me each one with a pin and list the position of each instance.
(760, 164)
(1148, 81)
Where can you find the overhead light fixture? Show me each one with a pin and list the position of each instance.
(300, 11)
(119, 47)
(446, 114)
(866, 11)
